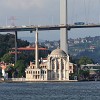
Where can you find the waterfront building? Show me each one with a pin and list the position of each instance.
(56, 67)
(30, 49)
(4, 66)
(94, 69)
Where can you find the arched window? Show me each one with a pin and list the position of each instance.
(36, 76)
(41, 72)
(53, 65)
(57, 65)
(70, 71)
(57, 75)
(62, 64)
(70, 67)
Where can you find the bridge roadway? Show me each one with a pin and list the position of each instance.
(44, 28)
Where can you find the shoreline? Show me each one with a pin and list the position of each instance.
(35, 81)
(23, 80)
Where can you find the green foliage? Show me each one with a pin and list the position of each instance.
(27, 57)
(85, 60)
(20, 67)
(7, 58)
(10, 70)
(22, 43)
(72, 75)
(84, 73)
(7, 41)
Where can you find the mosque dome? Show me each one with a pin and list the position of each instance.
(58, 52)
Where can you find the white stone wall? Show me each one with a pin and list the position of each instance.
(56, 68)
(36, 74)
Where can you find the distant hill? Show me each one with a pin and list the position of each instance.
(88, 46)
(30, 39)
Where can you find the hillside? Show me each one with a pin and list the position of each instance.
(88, 46)
(7, 42)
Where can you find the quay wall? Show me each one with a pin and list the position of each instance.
(24, 80)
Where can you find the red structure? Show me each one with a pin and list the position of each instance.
(30, 49)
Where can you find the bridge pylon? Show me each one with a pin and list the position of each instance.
(63, 31)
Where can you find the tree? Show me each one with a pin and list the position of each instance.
(7, 41)
(8, 58)
(84, 74)
(85, 60)
(10, 70)
(20, 67)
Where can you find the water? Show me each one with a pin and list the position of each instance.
(50, 91)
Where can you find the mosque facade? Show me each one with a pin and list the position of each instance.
(56, 67)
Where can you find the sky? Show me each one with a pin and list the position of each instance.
(47, 12)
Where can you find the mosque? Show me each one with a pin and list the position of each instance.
(56, 67)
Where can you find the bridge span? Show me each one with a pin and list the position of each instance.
(44, 28)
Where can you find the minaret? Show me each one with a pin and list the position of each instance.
(36, 50)
(63, 21)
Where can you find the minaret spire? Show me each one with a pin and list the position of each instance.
(36, 50)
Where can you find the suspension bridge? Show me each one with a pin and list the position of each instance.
(64, 27)
(44, 28)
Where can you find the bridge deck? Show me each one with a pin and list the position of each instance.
(44, 28)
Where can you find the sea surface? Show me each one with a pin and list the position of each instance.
(50, 91)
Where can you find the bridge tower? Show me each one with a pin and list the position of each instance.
(63, 21)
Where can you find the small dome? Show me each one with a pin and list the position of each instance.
(58, 52)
